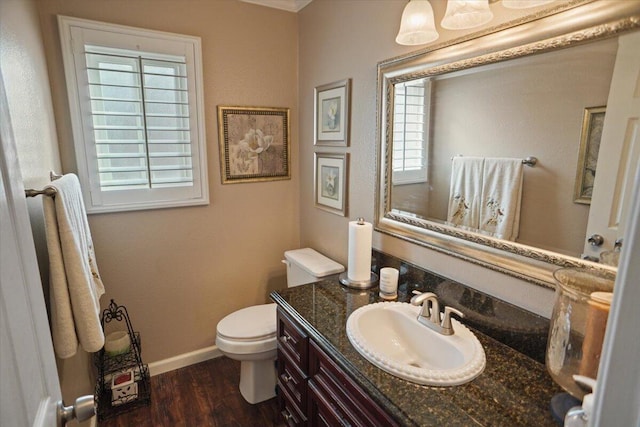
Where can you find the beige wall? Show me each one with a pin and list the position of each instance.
(179, 271)
(24, 71)
(346, 39)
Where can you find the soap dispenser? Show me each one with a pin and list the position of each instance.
(578, 416)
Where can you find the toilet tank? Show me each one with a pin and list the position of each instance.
(306, 266)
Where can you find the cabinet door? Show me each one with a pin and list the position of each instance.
(292, 371)
(293, 341)
(292, 379)
(334, 396)
(323, 411)
(291, 413)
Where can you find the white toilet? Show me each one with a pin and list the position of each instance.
(249, 334)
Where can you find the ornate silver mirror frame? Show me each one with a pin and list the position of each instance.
(569, 24)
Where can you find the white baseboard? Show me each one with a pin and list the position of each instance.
(183, 360)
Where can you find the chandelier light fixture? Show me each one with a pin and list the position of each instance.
(524, 4)
(463, 14)
(418, 24)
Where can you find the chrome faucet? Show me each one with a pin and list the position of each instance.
(430, 313)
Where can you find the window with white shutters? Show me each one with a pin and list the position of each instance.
(136, 104)
(410, 132)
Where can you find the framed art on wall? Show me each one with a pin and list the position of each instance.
(592, 124)
(254, 144)
(332, 112)
(330, 189)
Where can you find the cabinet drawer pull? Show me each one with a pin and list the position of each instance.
(285, 338)
(286, 415)
(286, 378)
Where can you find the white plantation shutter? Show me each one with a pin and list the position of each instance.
(137, 118)
(410, 133)
(140, 117)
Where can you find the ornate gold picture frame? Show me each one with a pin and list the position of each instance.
(592, 124)
(254, 144)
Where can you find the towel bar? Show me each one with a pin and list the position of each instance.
(529, 161)
(51, 192)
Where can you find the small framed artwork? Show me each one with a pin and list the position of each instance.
(254, 144)
(331, 182)
(592, 125)
(332, 113)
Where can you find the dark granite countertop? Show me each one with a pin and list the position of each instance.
(513, 390)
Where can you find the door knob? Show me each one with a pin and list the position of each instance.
(595, 240)
(83, 409)
(618, 244)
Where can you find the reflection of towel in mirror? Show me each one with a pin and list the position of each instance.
(74, 281)
(465, 192)
(501, 197)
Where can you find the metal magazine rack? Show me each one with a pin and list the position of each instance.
(123, 382)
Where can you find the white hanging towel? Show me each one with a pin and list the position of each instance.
(501, 198)
(75, 284)
(465, 192)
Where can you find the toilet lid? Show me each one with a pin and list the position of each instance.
(248, 324)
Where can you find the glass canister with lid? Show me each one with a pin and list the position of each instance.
(578, 324)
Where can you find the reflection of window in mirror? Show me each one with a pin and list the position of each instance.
(410, 132)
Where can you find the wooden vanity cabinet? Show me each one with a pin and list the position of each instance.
(293, 351)
(335, 399)
(314, 391)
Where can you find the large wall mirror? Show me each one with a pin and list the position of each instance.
(535, 110)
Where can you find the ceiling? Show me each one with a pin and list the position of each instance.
(288, 5)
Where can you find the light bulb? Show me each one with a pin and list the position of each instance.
(524, 4)
(463, 14)
(417, 25)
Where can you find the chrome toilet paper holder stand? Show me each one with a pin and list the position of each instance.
(358, 284)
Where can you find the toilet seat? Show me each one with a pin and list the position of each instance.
(249, 335)
(249, 330)
(249, 324)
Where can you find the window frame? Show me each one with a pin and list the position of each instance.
(74, 34)
(414, 176)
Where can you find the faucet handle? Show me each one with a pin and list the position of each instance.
(430, 306)
(419, 297)
(446, 320)
(416, 299)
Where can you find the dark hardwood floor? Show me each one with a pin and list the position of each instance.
(205, 394)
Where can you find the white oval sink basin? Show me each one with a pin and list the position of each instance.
(389, 335)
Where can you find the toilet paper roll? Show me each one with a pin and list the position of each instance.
(594, 329)
(359, 263)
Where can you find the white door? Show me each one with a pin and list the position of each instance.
(30, 391)
(617, 395)
(619, 150)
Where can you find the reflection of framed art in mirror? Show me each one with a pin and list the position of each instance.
(592, 124)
